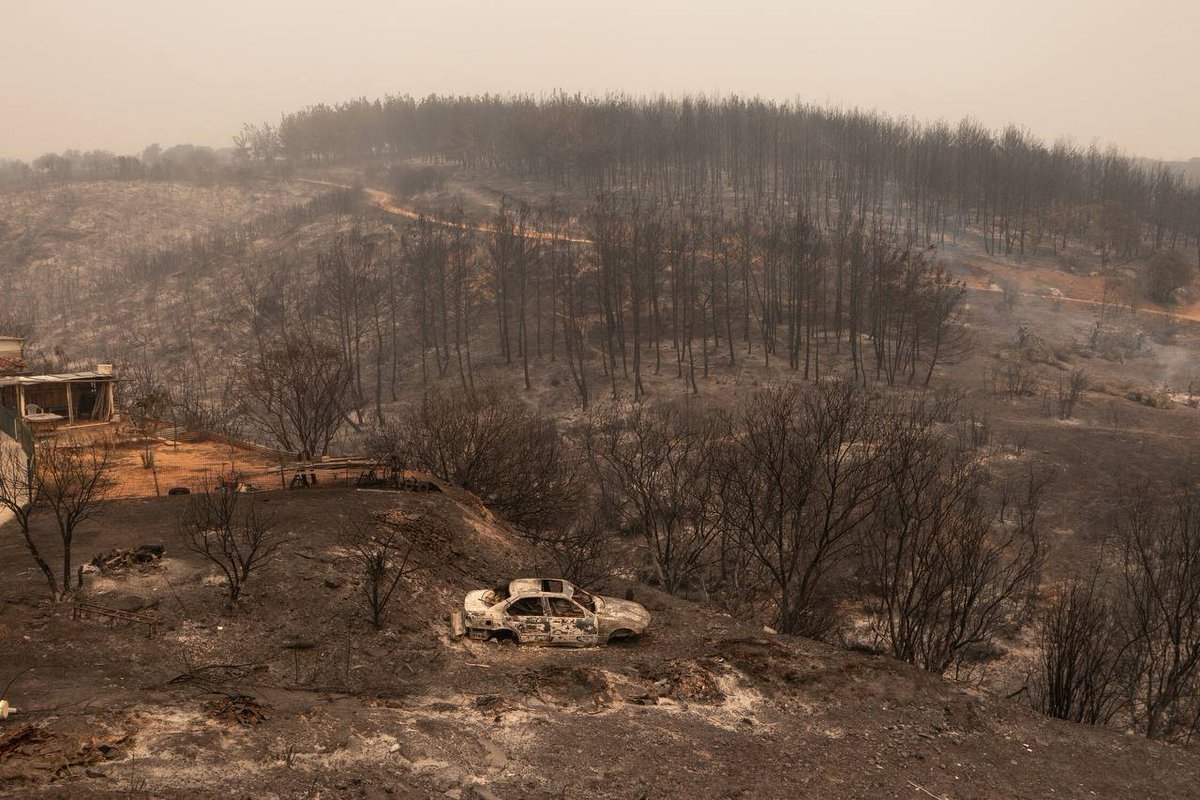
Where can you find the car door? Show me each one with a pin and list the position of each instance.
(571, 623)
(527, 616)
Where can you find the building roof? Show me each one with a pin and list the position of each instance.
(66, 377)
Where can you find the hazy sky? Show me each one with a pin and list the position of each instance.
(119, 74)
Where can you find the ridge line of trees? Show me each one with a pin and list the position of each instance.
(924, 182)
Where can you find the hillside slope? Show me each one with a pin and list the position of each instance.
(102, 268)
(703, 706)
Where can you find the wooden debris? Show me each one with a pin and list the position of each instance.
(239, 708)
(20, 741)
(490, 704)
(925, 791)
(93, 751)
(124, 559)
(210, 674)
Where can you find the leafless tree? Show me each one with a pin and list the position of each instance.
(801, 475)
(145, 397)
(1010, 293)
(231, 530)
(382, 553)
(1167, 272)
(941, 335)
(16, 322)
(1081, 655)
(427, 270)
(583, 551)
(350, 284)
(499, 448)
(656, 464)
(1013, 380)
(297, 387)
(1069, 391)
(17, 496)
(915, 308)
(387, 442)
(71, 480)
(946, 573)
(1159, 537)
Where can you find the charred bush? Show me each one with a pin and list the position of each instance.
(407, 180)
(497, 447)
(229, 529)
(1080, 655)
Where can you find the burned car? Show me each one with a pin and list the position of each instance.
(550, 611)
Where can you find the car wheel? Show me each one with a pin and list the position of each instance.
(505, 636)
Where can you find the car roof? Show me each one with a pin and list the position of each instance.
(521, 586)
(538, 596)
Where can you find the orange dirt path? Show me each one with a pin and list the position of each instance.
(387, 203)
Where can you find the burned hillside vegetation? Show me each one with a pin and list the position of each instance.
(827, 453)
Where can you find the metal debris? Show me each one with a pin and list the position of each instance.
(84, 610)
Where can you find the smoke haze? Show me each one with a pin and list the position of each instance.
(122, 75)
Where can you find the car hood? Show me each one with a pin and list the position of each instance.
(611, 608)
(479, 601)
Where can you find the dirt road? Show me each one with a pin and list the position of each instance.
(387, 202)
(1190, 314)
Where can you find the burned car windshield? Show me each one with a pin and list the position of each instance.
(584, 599)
